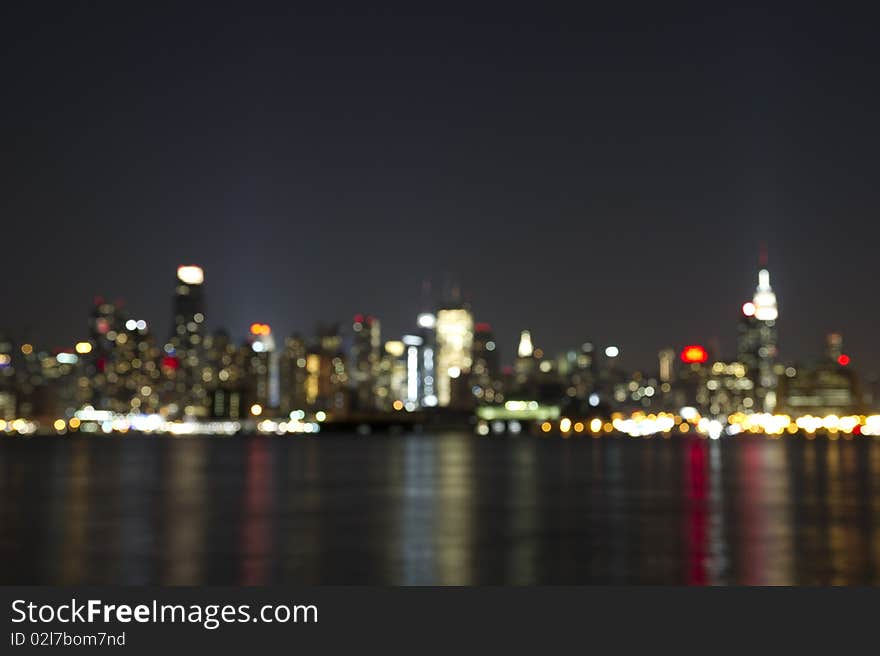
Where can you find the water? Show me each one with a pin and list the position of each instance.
(441, 509)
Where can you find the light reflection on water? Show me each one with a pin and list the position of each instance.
(449, 510)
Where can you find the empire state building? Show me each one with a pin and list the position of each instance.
(758, 344)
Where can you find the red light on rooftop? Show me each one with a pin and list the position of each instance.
(694, 354)
(483, 328)
(170, 362)
(843, 359)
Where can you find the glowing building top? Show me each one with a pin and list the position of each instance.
(525, 348)
(190, 274)
(764, 301)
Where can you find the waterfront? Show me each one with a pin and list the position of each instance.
(439, 509)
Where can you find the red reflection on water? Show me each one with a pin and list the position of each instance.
(257, 511)
(696, 517)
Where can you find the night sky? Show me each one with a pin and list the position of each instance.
(593, 175)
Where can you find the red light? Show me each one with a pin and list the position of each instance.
(694, 354)
(170, 362)
(843, 360)
(358, 318)
(483, 328)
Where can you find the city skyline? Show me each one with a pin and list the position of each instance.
(429, 298)
(447, 371)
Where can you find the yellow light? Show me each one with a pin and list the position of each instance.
(546, 427)
(83, 347)
(260, 329)
(320, 415)
(73, 423)
(256, 409)
(394, 348)
(684, 427)
(60, 425)
(596, 425)
(397, 405)
(578, 427)
(565, 424)
(27, 349)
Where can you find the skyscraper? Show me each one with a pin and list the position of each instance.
(485, 371)
(186, 341)
(261, 367)
(758, 344)
(455, 336)
(366, 343)
(427, 322)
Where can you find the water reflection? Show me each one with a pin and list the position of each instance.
(452, 509)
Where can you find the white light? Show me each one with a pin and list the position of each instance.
(190, 274)
(66, 358)
(427, 320)
(490, 346)
(412, 375)
(258, 347)
(612, 352)
(594, 399)
(689, 413)
(454, 372)
(141, 325)
(320, 415)
(131, 324)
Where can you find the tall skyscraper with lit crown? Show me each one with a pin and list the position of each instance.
(186, 343)
(758, 344)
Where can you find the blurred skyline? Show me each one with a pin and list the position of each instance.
(607, 175)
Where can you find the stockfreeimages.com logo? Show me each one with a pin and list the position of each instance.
(209, 616)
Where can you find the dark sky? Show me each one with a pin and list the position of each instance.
(603, 174)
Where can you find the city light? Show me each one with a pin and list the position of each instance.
(694, 354)
(196, 380)
(190, 274)
(260, 329)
